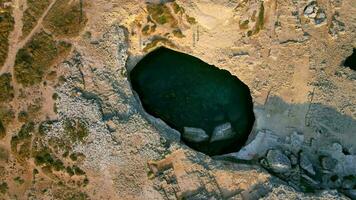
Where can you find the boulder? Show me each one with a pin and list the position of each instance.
(222, 132)
(297, 140)
(306, 164)
(264, 140)
(350, 193)
(194, 134)
(278, 162)
(320, 17)
(328, 163)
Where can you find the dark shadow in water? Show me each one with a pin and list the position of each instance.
(184, 91)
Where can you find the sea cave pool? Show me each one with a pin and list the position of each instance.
(212, 109)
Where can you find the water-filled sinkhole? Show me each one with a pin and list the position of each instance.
(211, 108)
(351, 60)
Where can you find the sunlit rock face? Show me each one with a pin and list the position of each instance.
(211, 108)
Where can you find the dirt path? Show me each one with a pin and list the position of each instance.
(15, 43)
(15, 35)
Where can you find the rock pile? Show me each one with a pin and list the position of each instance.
(314, 12)
(304, 166)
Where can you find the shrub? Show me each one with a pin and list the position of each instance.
(34, 11)
(34, 60)
(6, 26)
(76, 130)
(161, 14)
(66, 18)
(6, 89)
(2, 130)
(3, 187)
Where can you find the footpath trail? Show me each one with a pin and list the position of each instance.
(15, 38)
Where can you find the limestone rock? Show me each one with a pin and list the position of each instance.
(263, 141)
(194, 134)
(306, 164)
(328, 163)
(297, 140)
(313, 11)
(336, 26)
(278, 162)
(350, 193)
(222, 132)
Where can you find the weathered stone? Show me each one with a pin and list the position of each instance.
(294, 159)
(328, 163)
(278, 162)
(349, 182)
(194, 134)
(297, 140)
(320, 17)
(263, 141)
(311, 182)
(331, 181)
(309, 10)
(350, 193)
(349, 165)
(306, 164)
(222, 132)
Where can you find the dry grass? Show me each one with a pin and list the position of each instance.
(66, 18)
(35, 59)
(6, 26)
(32, 14)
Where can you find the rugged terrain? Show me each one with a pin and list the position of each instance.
(72, 128)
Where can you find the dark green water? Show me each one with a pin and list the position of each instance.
(184, 91)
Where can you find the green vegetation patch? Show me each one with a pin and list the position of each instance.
(161, 14)
(76, 130)
(156, 41)
(6, 114)
(66, 18)
(147, 29)
(35, 9)
(35, 59)
(244, 24)
(44, 157)
(260, 20)
(191, 20)
(3, 188)
(177, 8)
(4, 154)
(6, 26)
(21, 143)
(2, 130)
(6, 89)
(178, 33)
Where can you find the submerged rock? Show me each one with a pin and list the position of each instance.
(184, 91)
(306, 164)
(194, 134)
(222, 132)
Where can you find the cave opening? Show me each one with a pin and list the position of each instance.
(351, 60)
(212, 109)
